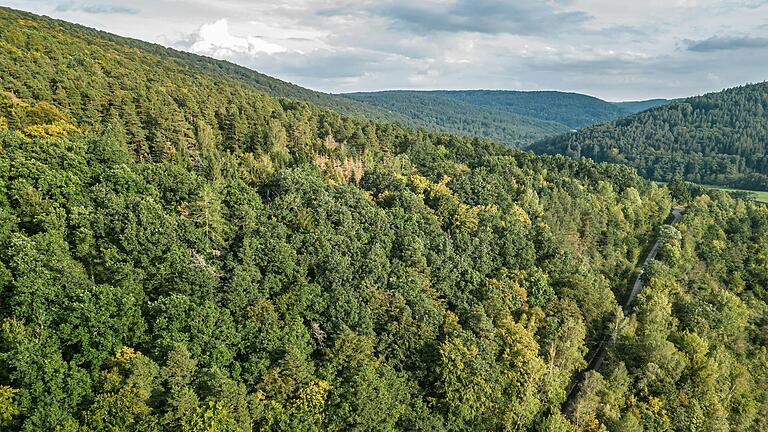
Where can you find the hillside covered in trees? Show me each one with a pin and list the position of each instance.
(180, 251)
(437, 112)
(570, 110)
(516, 118)
(573, 110)
(719, 138)
(694, 350)
(215, 69)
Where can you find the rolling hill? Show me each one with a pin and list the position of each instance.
(438, 112)
(516, 118)
(515, 130)
(571, 109)
(720, 138)
(512, 117)
(217, 69)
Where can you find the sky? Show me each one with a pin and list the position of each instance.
(612, 49)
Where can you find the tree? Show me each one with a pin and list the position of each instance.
(214, 417)
(123, 402)
(178, 374)
(8, 408)
(208, 211)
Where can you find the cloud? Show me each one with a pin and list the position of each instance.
(293, 54)
(521, 17)
(215, 40)
(98, 9)
(621, 31)
(726, 43)
(751, 4)
(328, 66)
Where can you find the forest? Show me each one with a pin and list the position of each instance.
(719, 138)
(181, 251)
(515, 118)
(573, 110)
(445, 114)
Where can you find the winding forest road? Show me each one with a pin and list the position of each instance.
(677, 212)
(597, 355)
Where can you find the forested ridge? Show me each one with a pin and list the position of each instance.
(180, 251)
(516, 118)
(570, 109)
(719, 138)
(437, 112)
(440, 115)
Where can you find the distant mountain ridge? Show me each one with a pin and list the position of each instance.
(571, 109)
(442, 113)
(512, 117)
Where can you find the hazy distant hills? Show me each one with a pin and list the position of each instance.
(510, 117)
(435, 110)
(571, 109)
(718, 138)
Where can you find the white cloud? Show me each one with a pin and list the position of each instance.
(215, 40)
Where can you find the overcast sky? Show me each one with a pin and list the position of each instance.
(613, 49)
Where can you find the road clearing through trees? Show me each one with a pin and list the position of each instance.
(597, 355)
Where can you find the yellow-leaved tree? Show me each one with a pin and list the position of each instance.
(8, 408)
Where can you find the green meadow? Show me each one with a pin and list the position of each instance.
(759, 196)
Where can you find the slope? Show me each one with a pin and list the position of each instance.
(177, 246)
(514, 131)
(571, 109)
(449, 115)
(719, 138)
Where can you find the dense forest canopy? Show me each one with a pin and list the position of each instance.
(445, 114)
(570, 109)
(180, 251)
(516, 118)
(719, 138)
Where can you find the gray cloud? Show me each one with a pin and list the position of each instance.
(101, 9)
(323, 65)
(326, 64)
(725, 43)
(751, 4)
(521, 17)
(622, 31)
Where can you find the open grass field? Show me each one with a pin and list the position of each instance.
(760, 196)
